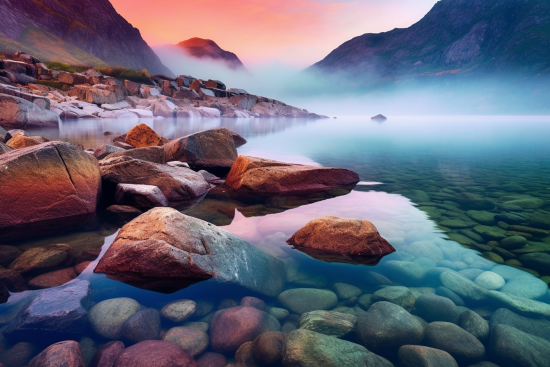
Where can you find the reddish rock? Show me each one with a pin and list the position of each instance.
(341, 239)
(264, 177)
(267, 349)
(21, 141)
(81, 267)
(8, 254)
(142, 136)
(176, 183)
(13, 280)
(53, 279)
(50, 181)
(66, 353)
(254, 302)
(243, 356)
(211, 359)
(154, 353)
(108, 354)
(150, 154)
(212, 149)
(232, 327)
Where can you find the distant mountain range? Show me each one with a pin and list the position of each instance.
(83, 32)
(207, 49)
(457, 37)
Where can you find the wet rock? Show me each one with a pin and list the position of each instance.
(513, 242)
(490, 280)
(3, 147)
(482, 217)
(490, 233)
(463, 286)
(278, 313)
(537, 327)
(436, 308)
(264, 177)
(211, 359)
(18, 113)
(88, 348)
(108, 354)
(474, 324)
(55, 314)
(419, 356)
(4, 293)
(376, 279)
(470, 201)
(244, 101)
(147, 196)
(345, 291)
(405, 272)
(232, 327)
(177, 184)
(142, 136)
(301, 300)
(401, 296)
(463, 346)
(527, 203)
(386, 327)
(142, 325)
(520, 305)
(150, 154)
(63, 179)
(154, 353)
(107, 317)
(328, 322)
(254, 302)
(308, 348)
(539, 220)
(425, 249)
(508, 273)
(12, 280)
(66, 353)
(52, 279)
(512, 347)
(190, 250)
(212, 149)
(525, 286)
(243, 356)
(8, 254)
(105, 149)
(19, 355)
(510, 218)
(178, 311)
(537, 261)
(348, 239)
(446, 292)
(267, 348)
(192, 341)
(21, 141)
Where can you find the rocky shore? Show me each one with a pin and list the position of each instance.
(27, 98)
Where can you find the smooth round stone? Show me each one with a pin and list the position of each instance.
(88, 348)
(509, 273)
(446, 292)
(301, 300)
(401, 296)
(267, 348)
(203, 308)
(365, 301)
(192, 341)
(107, 317)
(536, 261)
(448, 264)
(527, 287)
(463, 286)
(432, 307)
(512, 347)
(527, 203)
(474, 324)
(425, 249)
(154, 353)
(178, 311)
(279, 313)
(482, 216)
(243, 355)
(537, 327)
(490, 233)
(199, 325)
(346, 291)
(463, 346)
(374, 278)
(454, 223)
(108, 354)
(328, 322)
(471, 274)
(513, 242)
(510, 218)
(489, 255)
(211, 359)
(425, 263)
(420, 356)
(143, 325)
(490, 280)
(254, 302)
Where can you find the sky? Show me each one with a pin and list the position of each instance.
(294, 33)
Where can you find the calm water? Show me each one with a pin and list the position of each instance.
(432, 186)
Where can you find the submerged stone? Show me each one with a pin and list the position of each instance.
(512, 347)
(301, 300)
(328, 322)
(463, 346)
(420, 356)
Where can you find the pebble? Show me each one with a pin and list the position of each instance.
(346, 291)
(436, 308)
(178, 311)
(191, 340)
(463, 286)
(490, 280)
(301, 300)
(107, 317)
(401, 296)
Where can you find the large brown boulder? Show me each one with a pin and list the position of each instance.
(66, 353)
(18, 113)
(176, 183)
(340, 239)
(149, 154)
(264, 177)
(154, 353)
(212, 149)
(142, 136)
(165, 250)
(50, 181)
(21, 141)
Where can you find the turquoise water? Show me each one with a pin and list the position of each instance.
(438, 189)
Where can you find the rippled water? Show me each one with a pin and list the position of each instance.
(425, 185)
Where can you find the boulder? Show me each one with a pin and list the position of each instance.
(108, 317)
(164, 108)
(232, 327)
(264, 177)
(436, 308)
(267, 348)
(401, 296)
(521, 305)
(142, 136)
(385, 327)
(52, 279)
(346, 291)
(463, 286)
(463, 346)
(474, 324)
(253, 302)
(105, 150)
(142, 325)
(192, 341)
(379, 117)
(177, 184)
(301, 300)
(55, 314)
(512, 347)
(244, 101)
(108, 354)
(40, 258)
(328, 322)
(21, 141)
(65, 353)
(310, 349)
(154, 353)
(149, 154)
(168, 250)
(537, 327)
(4, 148)
(212, 149)
(419, 356)
(147, 196)
(18, 113)
(211, 359)
(18, 355)
(341, 239)
(178, 311)
(63, 179)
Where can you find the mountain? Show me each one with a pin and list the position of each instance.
(207, 49)
(85, 32)
(458, 37)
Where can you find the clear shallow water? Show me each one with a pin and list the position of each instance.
(434, 162)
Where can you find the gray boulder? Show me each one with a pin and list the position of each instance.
(474, 324)
(463, 286)
(420, 356)
(436, 308)
(148, 196)
(105, 149)
(512, 347)
(524, 306)
(537, 327)
(401, 296)
(301, 300)
(143, 325)
(463, 346)
(18, 113)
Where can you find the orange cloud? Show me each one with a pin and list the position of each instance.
(297, 32)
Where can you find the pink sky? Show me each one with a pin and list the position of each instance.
(292, 32)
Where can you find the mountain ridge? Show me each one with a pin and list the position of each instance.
(201, 48)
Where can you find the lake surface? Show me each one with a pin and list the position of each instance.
(467, 196)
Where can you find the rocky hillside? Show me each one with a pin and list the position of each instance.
(464, 37)
(202, 48)
(88, 32)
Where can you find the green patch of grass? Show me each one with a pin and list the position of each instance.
(120, 72)
(56, 85)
